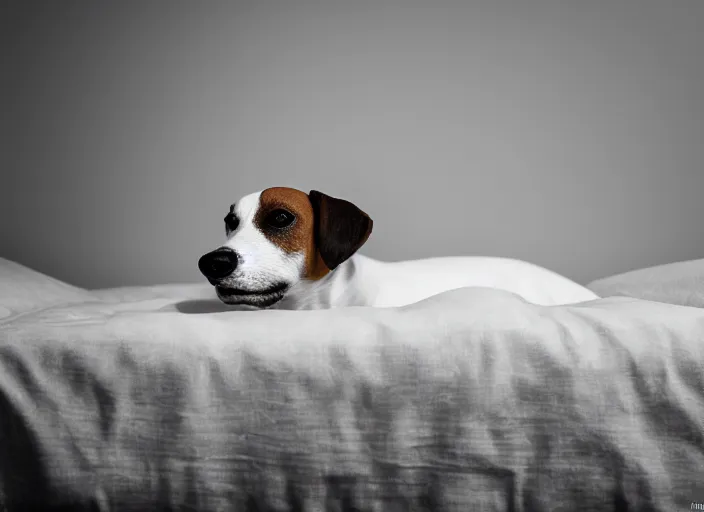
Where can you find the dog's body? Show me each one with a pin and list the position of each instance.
(289, 250)
(363, 281)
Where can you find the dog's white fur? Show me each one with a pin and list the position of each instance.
(363, 281)
(262, 263)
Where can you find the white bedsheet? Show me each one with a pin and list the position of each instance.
(471, 400)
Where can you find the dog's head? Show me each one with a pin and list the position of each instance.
(279, 237)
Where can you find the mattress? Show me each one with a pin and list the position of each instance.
(162, 398)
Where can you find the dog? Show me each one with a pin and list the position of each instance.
(286, 249)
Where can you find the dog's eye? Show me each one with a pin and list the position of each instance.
(231, 222)
(280, 219)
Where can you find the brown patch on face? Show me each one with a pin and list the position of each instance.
(299, 237)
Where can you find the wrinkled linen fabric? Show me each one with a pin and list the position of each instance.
(470, 400)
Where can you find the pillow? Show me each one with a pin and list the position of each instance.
(23, 289)
(679, 283)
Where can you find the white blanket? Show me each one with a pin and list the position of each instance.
(472, 400)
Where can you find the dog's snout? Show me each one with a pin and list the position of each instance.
(218, 264)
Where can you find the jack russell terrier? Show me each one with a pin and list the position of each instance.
(286, 249)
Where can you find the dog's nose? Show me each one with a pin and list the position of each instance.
(218, 264)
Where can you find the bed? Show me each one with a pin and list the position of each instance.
(160, 398)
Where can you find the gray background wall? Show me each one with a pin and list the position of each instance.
(567, 133)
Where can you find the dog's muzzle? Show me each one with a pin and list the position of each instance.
(218, 264)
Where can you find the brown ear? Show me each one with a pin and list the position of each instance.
(340, 228)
